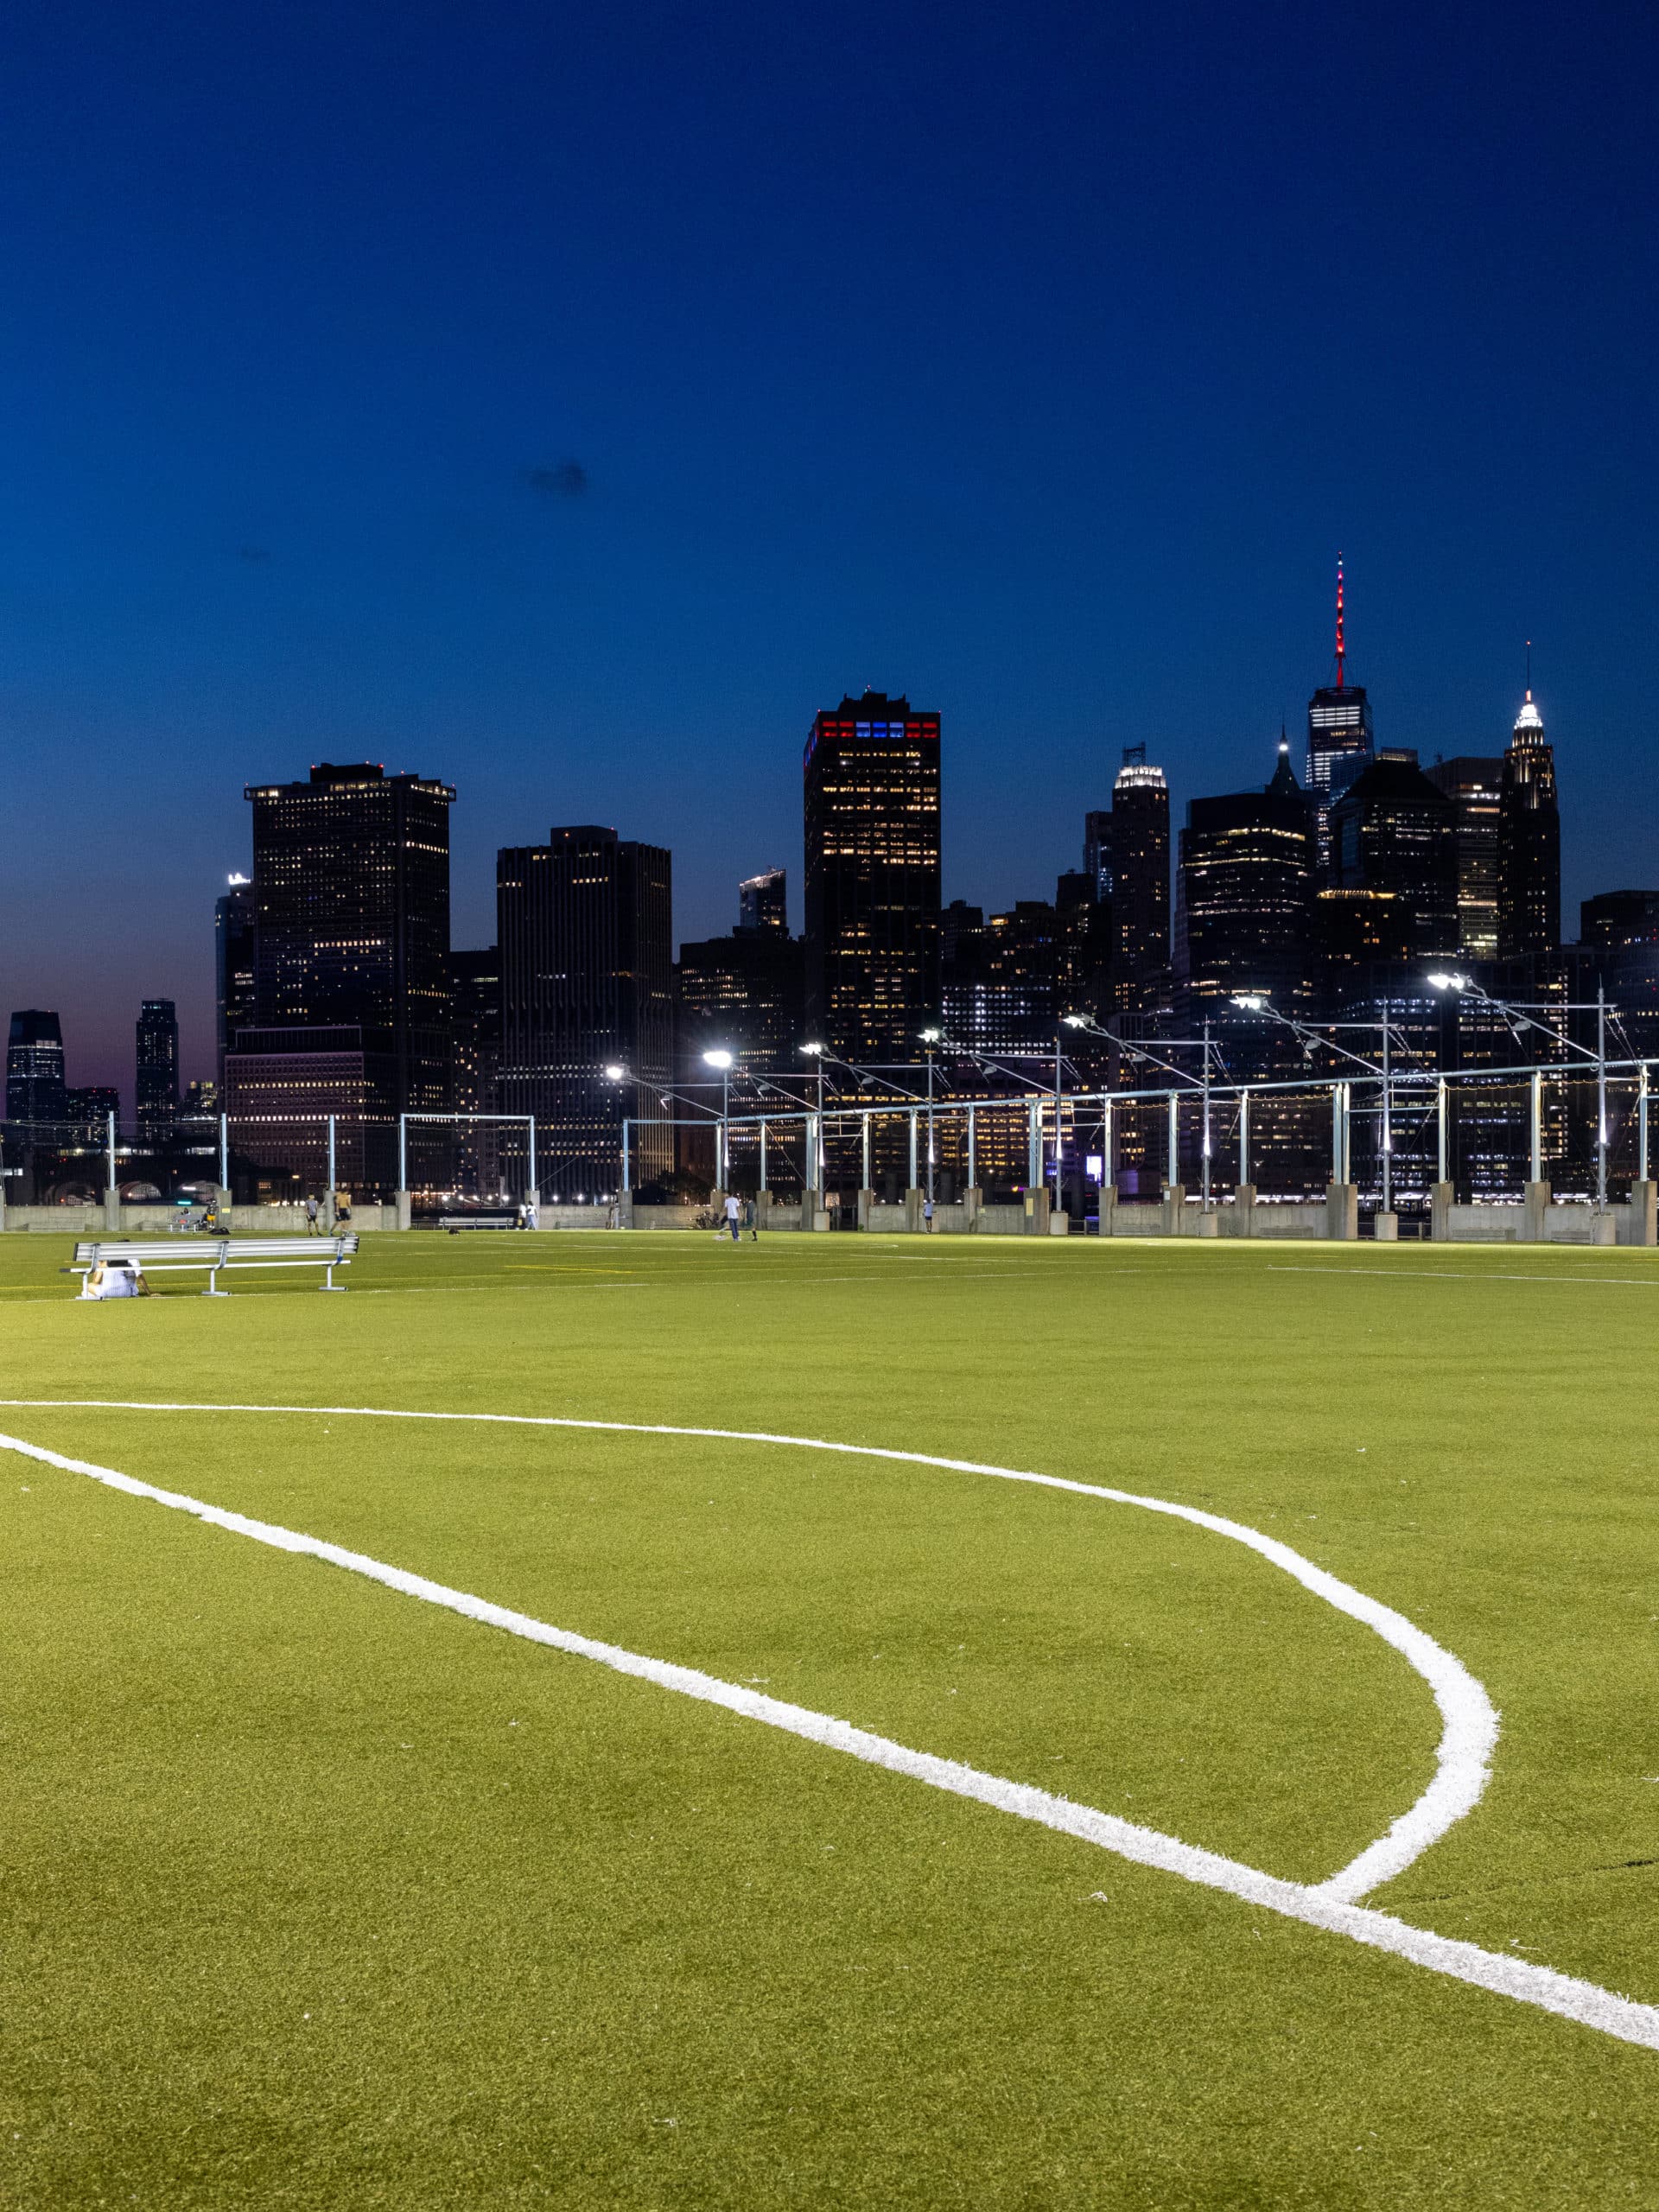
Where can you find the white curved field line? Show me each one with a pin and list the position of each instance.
(1470, 1730)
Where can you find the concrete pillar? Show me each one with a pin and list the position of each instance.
(1439, 1213)
(401, 1199)
(913, 1209)
(1644, 1213)
(1108, 1209)
(1604, 1228)
(1342, 1211)
(1534, 1212)
(1037, 1212)
(865, 1200)
(1245, 1209)
(1203, 1223)
(1388, 1229)
(625, 1209)
(1174, 1209)
(112, 1212)
(972, 1201)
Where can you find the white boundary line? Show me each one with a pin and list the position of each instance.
(1466, 1275)
(1325, 1905)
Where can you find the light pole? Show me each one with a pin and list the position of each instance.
(1519, 1015)
(1311, 1034)
(720, 1059)
(931, 1038)
(615, 1072)
(1201, 1082)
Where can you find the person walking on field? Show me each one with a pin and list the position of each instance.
(927, 1215)
(311, 1228)
(751, 1220)
(732, 1211)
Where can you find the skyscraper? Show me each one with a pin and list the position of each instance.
(475, 1018)
(1339, 740)
(1140, 844)
(34, 1086)
(1614, 919)
(1392, 831)
(1528, 842)
(233, 930)
(585, 929)
(871, 776)
(1247, 871)
(1097, 852)
(763, 901)
(1472, 784)
(351, 899)
(155, 1091)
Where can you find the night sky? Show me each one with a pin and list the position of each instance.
(569, 401)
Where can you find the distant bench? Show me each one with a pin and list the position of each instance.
(454, 1221)
(218, 1253)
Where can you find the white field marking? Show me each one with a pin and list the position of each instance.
(1470, 1274)
(1316, 1905)
(1469, 1724)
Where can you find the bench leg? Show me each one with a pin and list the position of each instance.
(331, 1284)
(213, 1289)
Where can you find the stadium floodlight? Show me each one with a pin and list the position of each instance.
(718, 1058)
(1076, 1021)
(932, 1036)
(1252, 1001)
(816, 1050)
(1441, 982)
(615, 1074)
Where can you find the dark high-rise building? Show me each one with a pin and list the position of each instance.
(1247, 872)
(475, 1017)
(1139, 847)
(1528, 842)
(999, 989)
(233, 920)
(36, 1091)
(1473, 785)
(763, 901)
(1097, 852)
(156, 1090)
(1084, 947)
(1392, 831)
(872, 807)
(87, 1108)
(350, 891)
(1339, 743)
(1354, 932)
(744, 993)
(1614, 919)
(585, 931)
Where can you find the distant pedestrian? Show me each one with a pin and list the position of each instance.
(752, 1220)
(533, 1210)
(312, 1228)
(927, 1215)
(733, 1213)
(342, 1207)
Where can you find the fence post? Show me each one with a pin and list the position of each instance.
(1538, 1132)
(1174, 1165)
(763, 1160)
(973, 1162)
(225, 1155)
(1244, 1138)
(910, 1186)
(627, 1125)
(330, 1222)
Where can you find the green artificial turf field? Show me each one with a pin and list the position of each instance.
(315, 1894)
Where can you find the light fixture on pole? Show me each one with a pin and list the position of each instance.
(720, 1059)
(931, 1038)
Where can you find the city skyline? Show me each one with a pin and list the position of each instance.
(579, 464)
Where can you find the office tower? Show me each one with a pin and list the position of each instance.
(1000, 990)
(585, 929)
(34, 1087)
(1473, 785)
(1355, 932)
(351, 891)
(1392, 831)
(1097, 852)
(745, 993)
(1614, 919)
(1339, 740)
(1083, 953)
(871, 776)
(233, 919)
(763, 902)
(1528, 842)
(1246, 878)
(155, 1091)
(1140, 850)
(200, 1097)
(87, 1108)
(475, 1019)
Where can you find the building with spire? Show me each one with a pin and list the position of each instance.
(1340, 743)
(1528, 842)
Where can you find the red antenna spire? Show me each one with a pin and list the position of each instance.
(1339, 644)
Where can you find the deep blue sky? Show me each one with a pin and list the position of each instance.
(1036, 360)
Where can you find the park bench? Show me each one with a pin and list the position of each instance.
(218, 1253)
(452, 1221)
